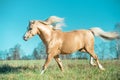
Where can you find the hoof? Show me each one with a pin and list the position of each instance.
(102, 69)
(42, 72)
(93, 64)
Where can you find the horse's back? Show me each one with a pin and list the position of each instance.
(77, 34)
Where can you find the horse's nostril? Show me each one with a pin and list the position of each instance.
(25, 38)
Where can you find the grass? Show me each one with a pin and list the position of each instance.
(74, 70)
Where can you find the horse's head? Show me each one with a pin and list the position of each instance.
(43, 27)
(31, 30)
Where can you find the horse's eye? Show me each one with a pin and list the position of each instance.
(30, 28)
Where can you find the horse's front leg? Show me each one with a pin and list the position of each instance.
(48, 59)
(57, 59)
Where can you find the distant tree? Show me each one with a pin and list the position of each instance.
(27, 57)
(117, 29)
(39, 52)
(8, 57)
(42, 50)
(102, 50)
(9, 54)
(106, 50)
(113, 50)
(68, 56)
(16, 52)
(36, 54)
(80, 55)
(63, 57)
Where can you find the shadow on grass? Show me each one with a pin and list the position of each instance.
(5, 69)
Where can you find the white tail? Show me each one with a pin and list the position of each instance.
(55, 21)
(105, 35)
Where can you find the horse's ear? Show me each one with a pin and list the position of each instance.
(32, 21)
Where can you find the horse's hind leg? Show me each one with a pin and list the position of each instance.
(96, 59)
(57, 59)
(91, 58)
(90, 50)
(92, 61)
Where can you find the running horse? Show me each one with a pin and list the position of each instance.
(58, 42)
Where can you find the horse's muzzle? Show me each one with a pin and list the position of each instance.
(25, 38)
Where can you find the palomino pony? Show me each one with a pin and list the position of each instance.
(58, 42)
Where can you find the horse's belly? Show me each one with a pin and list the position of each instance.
(72, 43)
(70, 48)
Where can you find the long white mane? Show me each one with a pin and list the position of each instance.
(55, 21)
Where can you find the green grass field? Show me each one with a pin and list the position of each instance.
(74, 70)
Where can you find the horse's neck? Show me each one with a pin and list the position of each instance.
(45, 34)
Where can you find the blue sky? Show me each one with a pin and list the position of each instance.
(78, 14)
